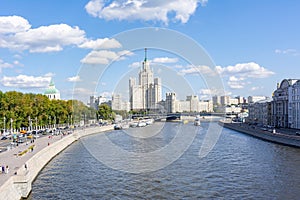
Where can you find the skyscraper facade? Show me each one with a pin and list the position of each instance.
(147, 93)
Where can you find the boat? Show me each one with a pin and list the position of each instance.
(197, 121)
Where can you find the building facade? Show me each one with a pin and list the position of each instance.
(118, 104)
(51, 92)
(280, 104)
(260, 112)
(147, 93)
(253, 99)
(95, 102)
(294, 105)
(191, 104)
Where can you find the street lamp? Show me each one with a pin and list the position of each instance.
(4, 120)
(36, 123)
(11, 122)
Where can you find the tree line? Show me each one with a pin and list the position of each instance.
(22, 110)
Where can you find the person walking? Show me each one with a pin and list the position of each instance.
(7, 169)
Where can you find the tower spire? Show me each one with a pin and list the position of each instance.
(145, 54)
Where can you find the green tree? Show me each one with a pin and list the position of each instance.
(105, 112)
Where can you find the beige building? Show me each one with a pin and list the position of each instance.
(147, 93)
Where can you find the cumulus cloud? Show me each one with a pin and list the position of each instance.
(16, 34)
(239, 74)
(104, 56)
(25, 81)
(155, 10)
(104, 43)
(251, 69)
(5, 64)
(13, 24)
(236, 82)
(135, 65)
(74, 79)
(165, 60)
(197, 70)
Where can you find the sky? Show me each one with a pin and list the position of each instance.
(199, 47)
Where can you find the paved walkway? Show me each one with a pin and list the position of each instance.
(9, 158)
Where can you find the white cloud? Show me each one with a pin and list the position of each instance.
(236, 82)
(24, 81)
(74, 79)
(165, 60)
(135, 65)
(256, 88)
(292, 52)
(155, 10)
(48, 38)
(104, 43)
(239, 73)
(5, 64)
(197, 70)
(246, 70)
(235, 79)
(13, 24)
(104, 56)
(16, 34)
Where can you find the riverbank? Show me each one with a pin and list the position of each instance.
(277, 137)
(16, 184)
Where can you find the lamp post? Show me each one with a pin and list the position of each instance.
(49, 117)
(36, 126)
(4, 120)
(11, 123)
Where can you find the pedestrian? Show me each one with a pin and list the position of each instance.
(7, 169)
(25, 166)
(48, 143)
(3, 169)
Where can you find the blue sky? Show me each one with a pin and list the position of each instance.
(253, 43)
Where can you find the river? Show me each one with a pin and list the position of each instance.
(238, 167)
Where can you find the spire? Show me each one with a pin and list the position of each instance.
(145, 54)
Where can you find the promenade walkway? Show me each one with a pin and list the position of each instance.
(9, 158)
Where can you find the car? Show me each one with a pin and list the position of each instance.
(298, 133)
(4, 138)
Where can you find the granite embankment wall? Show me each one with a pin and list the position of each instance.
(19, 186)
(285, 139)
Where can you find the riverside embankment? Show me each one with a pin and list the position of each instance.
(16, 184)
(277, 137)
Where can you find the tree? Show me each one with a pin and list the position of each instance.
(105, 112)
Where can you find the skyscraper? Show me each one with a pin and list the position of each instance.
(147, 93)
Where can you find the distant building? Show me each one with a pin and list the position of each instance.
(118, 104)
(229, 109)
(260, 112)
(281, 102)
(191, 104)
(206, 106)
(253, 99)
(294, 105)
(147, 93)
(95, 102)
(170, 103)
(216, 100)
(51, 92)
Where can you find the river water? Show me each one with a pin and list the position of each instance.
(238, 167)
